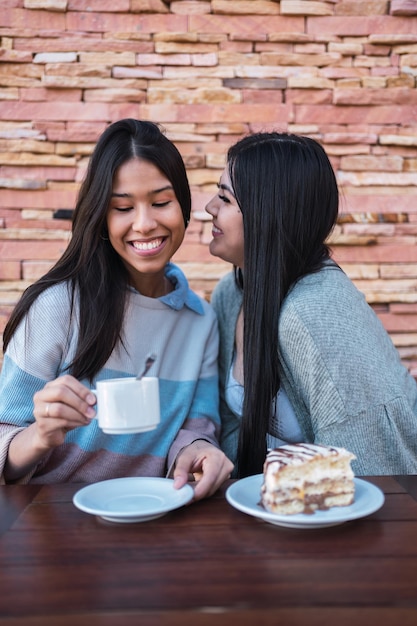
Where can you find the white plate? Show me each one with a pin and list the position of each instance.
(245, 495)
(132, 499)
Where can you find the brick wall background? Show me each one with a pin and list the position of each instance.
(341, 71)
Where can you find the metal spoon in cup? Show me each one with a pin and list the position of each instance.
(150, 359)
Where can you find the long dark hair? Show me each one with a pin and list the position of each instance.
(90, 264)
(287, 191)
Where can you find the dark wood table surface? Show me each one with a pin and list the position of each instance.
(205, 563)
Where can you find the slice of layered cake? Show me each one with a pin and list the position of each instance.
(303, 477)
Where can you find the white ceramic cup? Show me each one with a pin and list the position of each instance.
(127, 405)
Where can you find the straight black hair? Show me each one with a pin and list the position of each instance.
(92, 268)
(287, 191)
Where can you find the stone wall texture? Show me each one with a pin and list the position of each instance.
(341, 71)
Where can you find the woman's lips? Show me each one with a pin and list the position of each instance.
(147, 245)
(150, 247)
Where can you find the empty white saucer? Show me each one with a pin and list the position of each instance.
(133, 499)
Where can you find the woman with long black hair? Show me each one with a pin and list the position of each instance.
(112, 298)
(303, 357)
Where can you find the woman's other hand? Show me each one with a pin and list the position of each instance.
(209, 466)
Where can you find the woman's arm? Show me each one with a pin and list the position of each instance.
(63, 404)
(37, 405)
(195, 449)
(344, 376)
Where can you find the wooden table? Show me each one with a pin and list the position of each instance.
(205, 563)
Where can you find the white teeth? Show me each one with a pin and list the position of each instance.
(147, 245)
(215, 229)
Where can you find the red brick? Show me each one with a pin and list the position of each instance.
(88, 42)
(236, 46)
(344, 72)
(384, 71)
(121, 6)
(404, 309)
(38, 172)
(375, 254)
(30, 250)
(49, 199)
(206, 113)
(403, 7)
(370, 49)
(15, 56)
(35, 20)
(377, 203)
(10, 270)
(54, 111)
(49, 224)
(163, 59)
(385, 96)
(192, 252)
(357, 26)
(311, 96)
(41, 94)
(125, 109)
(5, 312)
(32, 270)
(398, 323)
(262, 96)
(76, 131)
(244, 25)
(328, 114)
(7, 214)
(125, 23)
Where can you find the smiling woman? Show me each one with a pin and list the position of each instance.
(303, 357)
(227, 242)
(112, 299)
(145, 224)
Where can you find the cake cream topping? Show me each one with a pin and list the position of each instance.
(304, 476)
(301, 453)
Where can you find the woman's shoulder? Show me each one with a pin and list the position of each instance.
(225, 290)
(44, 335)
(53, 309)
(327, 303)
(326, 284)
(56, 296)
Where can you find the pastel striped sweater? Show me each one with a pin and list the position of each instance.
(179, 328)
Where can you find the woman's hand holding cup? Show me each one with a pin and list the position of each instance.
(62, 405)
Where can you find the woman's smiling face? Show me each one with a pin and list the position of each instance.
(227, 231)
(145, 223)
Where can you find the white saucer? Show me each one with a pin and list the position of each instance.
(245, 495)
(127, 500)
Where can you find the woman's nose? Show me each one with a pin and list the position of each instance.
(144, 220)
(211, 206)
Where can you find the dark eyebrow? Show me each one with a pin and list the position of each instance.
(153, 192)
(226, 188)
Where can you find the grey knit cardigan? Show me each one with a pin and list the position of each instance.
(339, 368)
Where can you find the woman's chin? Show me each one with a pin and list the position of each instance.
(218, 250)
(214, 248)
